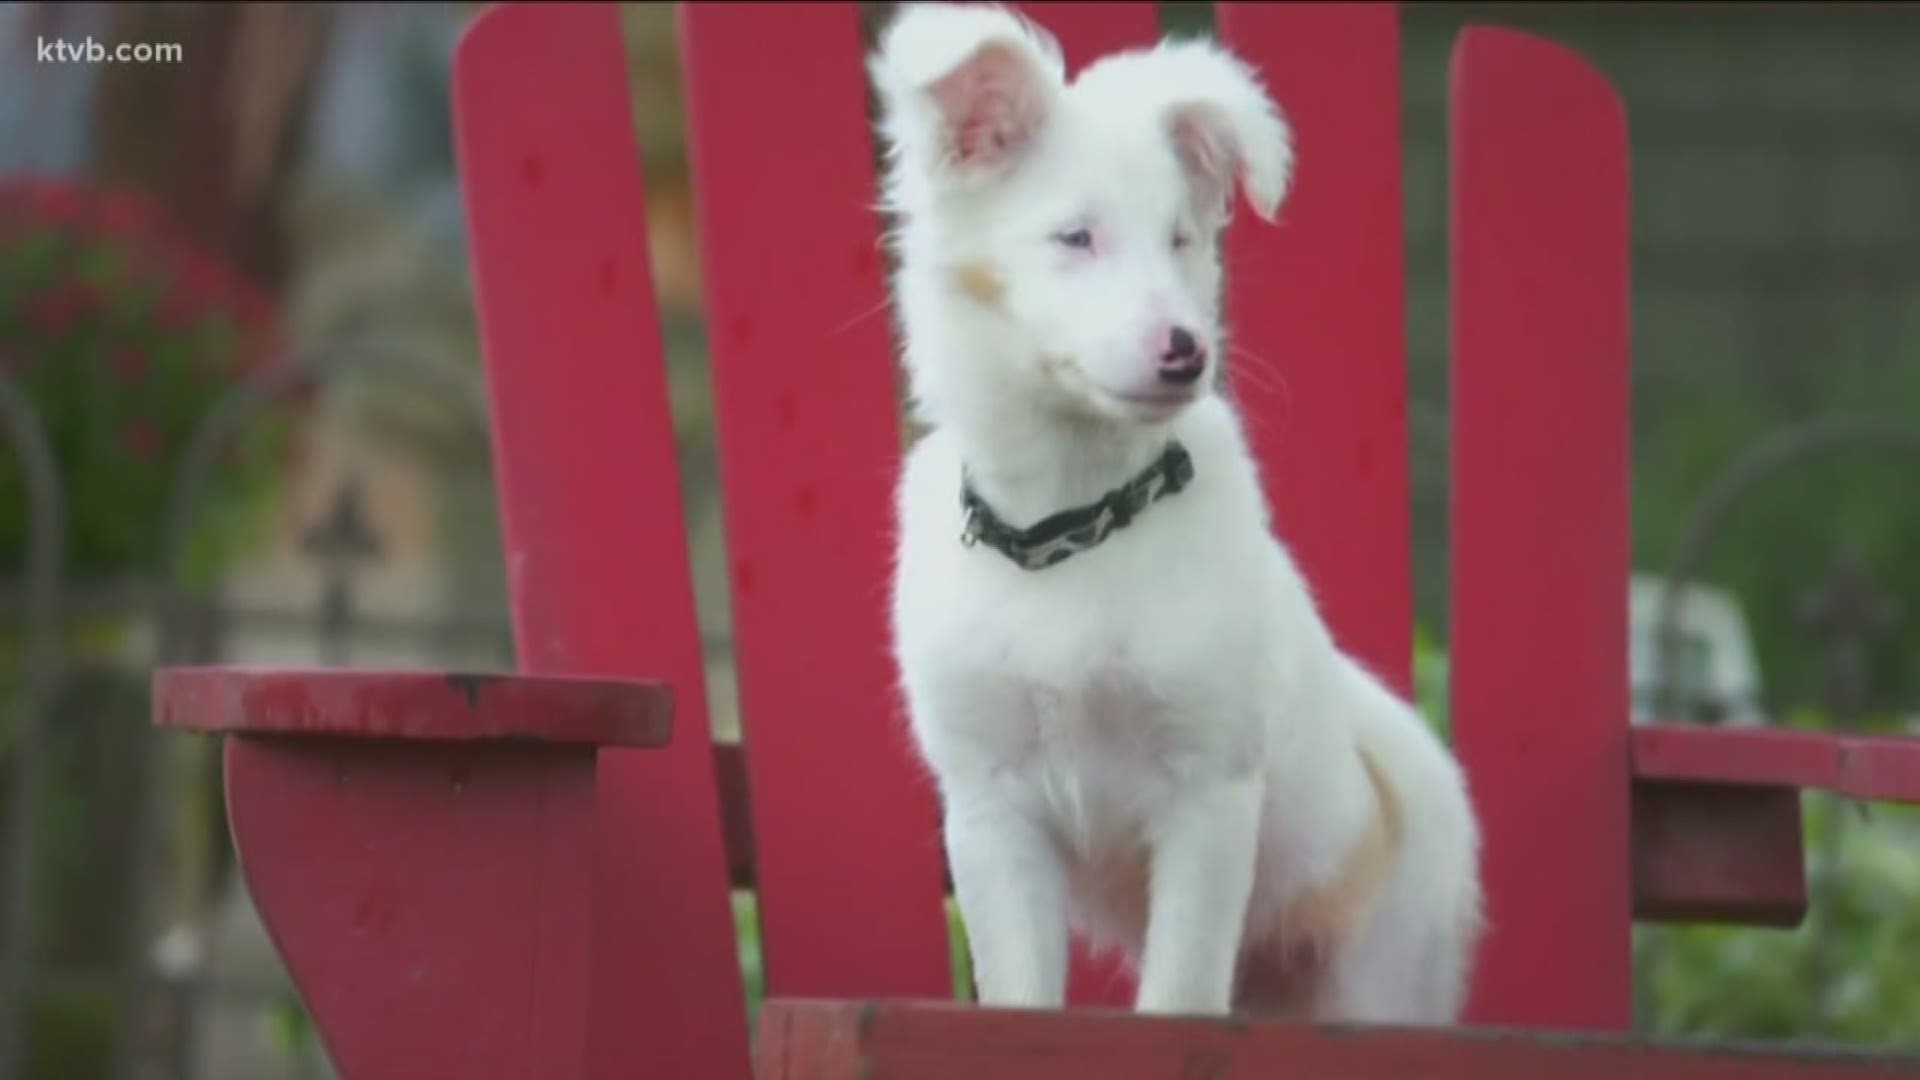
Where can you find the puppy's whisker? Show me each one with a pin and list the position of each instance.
(1261, 373)
(862, 317)
(1269, 380)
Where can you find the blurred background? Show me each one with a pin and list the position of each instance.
(239, 407)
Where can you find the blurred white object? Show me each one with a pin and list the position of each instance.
(1715, 667)
(180, 953)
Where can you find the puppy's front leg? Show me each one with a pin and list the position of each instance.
(1011, 890)
(1204, 848)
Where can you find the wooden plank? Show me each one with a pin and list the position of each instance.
(1718, 853)
(1540, 511)
(826, 1040)
(587, 470)
(1086, 33)
(1701, 852)
(431, 901)
(846, 829)
(413, 705)
(1872, 768)
(1318, 312)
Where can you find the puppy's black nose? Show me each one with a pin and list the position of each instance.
(1183, 361)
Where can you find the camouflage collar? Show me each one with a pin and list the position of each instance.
(1069, 532)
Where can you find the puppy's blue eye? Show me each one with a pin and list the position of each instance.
(1081, 239)
(1180, 241)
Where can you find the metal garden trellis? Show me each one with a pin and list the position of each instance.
(21, 428)
(48, 602)
(1776, 454)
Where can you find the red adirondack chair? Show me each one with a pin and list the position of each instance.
(527, 875)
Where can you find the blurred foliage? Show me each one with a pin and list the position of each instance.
(291, 1028)
(746, 926)
(88, 815)
(124, 336)
(74, 1034)
(1843, 977)
(1431, 685)
(83, 868)
(1759, 303)
(1778, 542)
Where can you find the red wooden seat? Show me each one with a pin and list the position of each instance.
(903, 1041)
(561, 920)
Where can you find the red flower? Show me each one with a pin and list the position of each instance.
(125, 215)
(142, 440)
(130, 365)
(56, 201)
(178, 309)
(57, 310)
(253, 311)
(145, 252)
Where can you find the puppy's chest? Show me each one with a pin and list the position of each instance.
(1102, 713)
(1125, 682)
(1091, 758)
(1110, 721)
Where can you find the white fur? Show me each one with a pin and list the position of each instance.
(1156, 742)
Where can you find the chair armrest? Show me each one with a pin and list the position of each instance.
(428, 706)
(1717, 833)
(423, 849)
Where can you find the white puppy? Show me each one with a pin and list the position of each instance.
(1139, 725)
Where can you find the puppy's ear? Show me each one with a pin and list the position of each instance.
(1226, 130)
(965, 90)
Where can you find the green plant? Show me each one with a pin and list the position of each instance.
(746, 927)
(73, 1033)
(1844, 976)
(1430, 682)
(123, 336)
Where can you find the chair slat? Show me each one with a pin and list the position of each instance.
(846, 830)
(590, 496)
(1540, 553)
(1086, 33)
(1317, 313)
